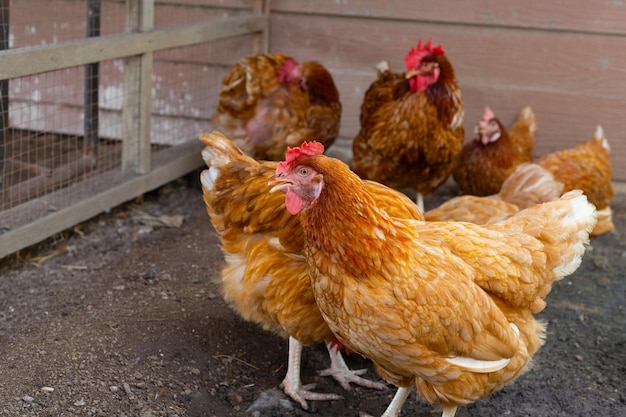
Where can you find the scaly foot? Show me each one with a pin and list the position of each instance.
(344, 375)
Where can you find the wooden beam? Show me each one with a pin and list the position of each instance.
(137, 108)
(21, 62)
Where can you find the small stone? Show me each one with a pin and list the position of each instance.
(79, 403)
(28, 398)
(114, 388)
(127, 388)
(47, 389)
(579, 358)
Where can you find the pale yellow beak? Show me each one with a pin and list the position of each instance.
(411, 74)
(278, 184)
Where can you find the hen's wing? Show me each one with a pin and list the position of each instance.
(473, 209)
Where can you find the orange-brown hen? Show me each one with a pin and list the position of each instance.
(269, 102)
(265, 278)
(587, 167)
(411, 124)
(445, 307)
(486, 161)
(528, 185)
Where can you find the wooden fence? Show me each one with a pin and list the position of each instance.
(134, 52)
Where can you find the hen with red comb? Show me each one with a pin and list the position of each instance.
(487, 161)
(269, 102)
(411, 123)
(306, 149)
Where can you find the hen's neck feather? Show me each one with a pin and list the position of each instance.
(344, 225)
(445, 93)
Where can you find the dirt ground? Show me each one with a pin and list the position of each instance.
(120, 317)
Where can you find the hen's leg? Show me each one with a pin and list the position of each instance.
(292, 385)
(420, 201)
(342, 374)
(394, 407)
(448, 411)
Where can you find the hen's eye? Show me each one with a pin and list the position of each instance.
(303, 172)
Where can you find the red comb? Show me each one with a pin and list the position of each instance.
(288, 71)
(416, 54)
(487, 115)
(306, 149)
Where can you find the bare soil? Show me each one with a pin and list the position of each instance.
(120, 316)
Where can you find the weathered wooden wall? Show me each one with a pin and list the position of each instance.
(565, 59)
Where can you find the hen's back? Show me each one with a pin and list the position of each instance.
(586, 167)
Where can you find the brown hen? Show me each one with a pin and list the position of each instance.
(269, 102)
(445, 307)
(486, 161)
(587, 167)
(411, 124)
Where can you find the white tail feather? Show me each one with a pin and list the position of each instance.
(599, 136)
(207, 180)
(478, 366)
(482, 367)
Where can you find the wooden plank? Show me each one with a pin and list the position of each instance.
(222, 52)
(225, 4)
(170, 164)
(174, 14)
(64, 18)
(26, 61)
(599, 16)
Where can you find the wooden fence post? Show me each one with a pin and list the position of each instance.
(137, 92)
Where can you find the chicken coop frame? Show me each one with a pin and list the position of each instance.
(142, 170)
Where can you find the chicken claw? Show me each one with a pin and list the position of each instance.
(344, 375)
(292, 385)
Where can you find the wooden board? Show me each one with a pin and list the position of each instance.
(599, 16)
